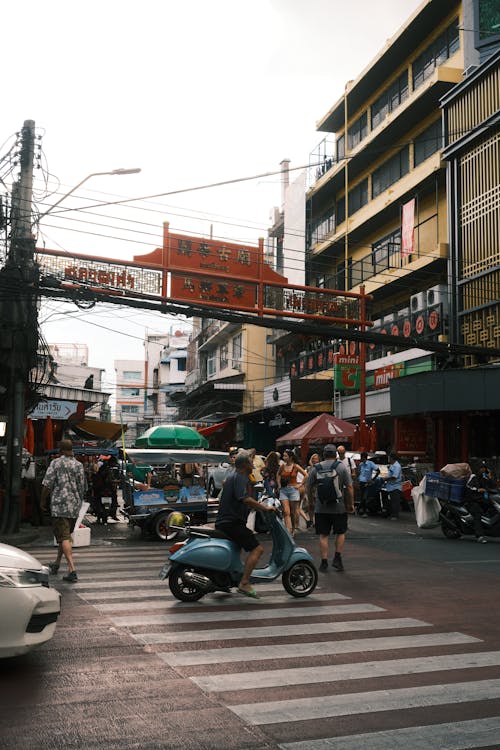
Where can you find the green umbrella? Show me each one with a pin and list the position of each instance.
(171, 436)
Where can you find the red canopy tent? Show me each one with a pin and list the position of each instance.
(321, 430)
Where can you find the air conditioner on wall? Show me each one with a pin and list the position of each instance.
(418, 302)
(438, 294)
(389, 320)
(404, 312)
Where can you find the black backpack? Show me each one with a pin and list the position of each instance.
(327, 483)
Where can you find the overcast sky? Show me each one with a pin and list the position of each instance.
(193, 92)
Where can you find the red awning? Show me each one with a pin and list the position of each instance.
(206, 431)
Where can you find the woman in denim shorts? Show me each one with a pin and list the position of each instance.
(289, 489)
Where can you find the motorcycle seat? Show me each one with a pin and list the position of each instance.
(205, 531)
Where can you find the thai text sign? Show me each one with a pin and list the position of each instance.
(100, 273)
(54, 409)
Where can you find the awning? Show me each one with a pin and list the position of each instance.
(93, 428)
(206, 431)
(229, 386)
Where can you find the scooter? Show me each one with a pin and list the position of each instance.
(456, 518)
(209, 561)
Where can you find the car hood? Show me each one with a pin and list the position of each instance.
(13, 557)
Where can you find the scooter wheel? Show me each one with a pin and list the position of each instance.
(449, 532)
(300, 580)
(180, 589)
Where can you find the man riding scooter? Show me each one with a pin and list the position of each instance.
(476, 497)
(231, 517)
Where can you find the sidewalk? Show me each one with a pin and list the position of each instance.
(42, 536)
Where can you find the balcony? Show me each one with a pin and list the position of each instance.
(419, 104)
(215, 333)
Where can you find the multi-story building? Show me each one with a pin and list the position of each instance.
(377, 207)
(130, 399)
(166, 357)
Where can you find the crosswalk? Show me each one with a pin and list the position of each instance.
(327, 672)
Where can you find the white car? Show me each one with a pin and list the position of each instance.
(29, 607)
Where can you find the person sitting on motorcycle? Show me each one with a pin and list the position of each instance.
(476, 496)
(236, 498)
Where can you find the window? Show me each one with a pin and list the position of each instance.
(126, 392)
(181, 364)
(340, 210)
(390, 99)
(358, 130)
(237, 350)
(132, 374)
(211, 363)
(341, 147)
(224, 356)
(130, 409)
(390, 172)
(358, 196)
(427, 142)
(384, 248)
(436, 53)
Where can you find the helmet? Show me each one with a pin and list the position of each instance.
(177, 519)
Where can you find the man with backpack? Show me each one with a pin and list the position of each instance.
(329, 480)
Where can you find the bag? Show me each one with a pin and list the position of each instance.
(427, 508)
(327, 484)
(456, 471)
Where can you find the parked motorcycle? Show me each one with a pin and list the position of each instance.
(456, 519)
(209, 561)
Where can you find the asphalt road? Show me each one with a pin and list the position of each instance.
(400, 651)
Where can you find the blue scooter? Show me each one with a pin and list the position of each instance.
(209, 561)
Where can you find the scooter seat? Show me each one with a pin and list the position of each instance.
(206, 531)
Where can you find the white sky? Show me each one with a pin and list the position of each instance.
(191, 91)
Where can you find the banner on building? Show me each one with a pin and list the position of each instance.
(407, 229)
(382, 375)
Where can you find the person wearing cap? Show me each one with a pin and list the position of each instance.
(331, 517)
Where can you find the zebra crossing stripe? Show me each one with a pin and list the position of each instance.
(348, 626)
(459, 735)
(221, 600)
(182, 615)
(84, 585)
(322, 707)
(127, 593)
(359, 645)
(339, 672)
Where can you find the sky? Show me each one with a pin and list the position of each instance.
(192, 92)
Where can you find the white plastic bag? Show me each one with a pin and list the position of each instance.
(251, 520)
(426, 508)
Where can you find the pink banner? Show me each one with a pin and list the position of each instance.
(408, 223)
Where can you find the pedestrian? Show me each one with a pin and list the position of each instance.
(270, 473)
(394, 485)
(331, 484)
(348, 462)
(235, 500)
(65, 482)
(289, 489)
(311, 500)
(104, 485)
(367, 472)
(258, 464)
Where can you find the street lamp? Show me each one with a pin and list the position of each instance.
(120, 171)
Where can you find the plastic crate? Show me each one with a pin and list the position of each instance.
(432, 479)
(451, 489)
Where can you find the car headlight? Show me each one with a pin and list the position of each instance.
(17, 578)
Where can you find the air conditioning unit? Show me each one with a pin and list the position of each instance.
(377, 323)
(404, 312)
(418, 302)
(389, 320)
(438, 295)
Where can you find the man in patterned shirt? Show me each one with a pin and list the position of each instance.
(65, 482)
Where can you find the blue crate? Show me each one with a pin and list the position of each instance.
(451, 489)
(432, 483)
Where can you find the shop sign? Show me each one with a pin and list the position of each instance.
(346, 372)
(382, 375)
(54, 409)
(410, 436)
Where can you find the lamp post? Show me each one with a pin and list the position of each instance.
(121, 171)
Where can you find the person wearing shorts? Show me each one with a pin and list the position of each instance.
(65, 482)
(331, 518)
(234, 501)
(289, 489)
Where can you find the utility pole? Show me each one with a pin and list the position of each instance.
(20, 324)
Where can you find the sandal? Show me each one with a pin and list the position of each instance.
(251, 593)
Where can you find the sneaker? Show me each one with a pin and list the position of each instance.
(337, 563)
(71, 577)
(53, 568)
(481, 540)
(324, 565)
